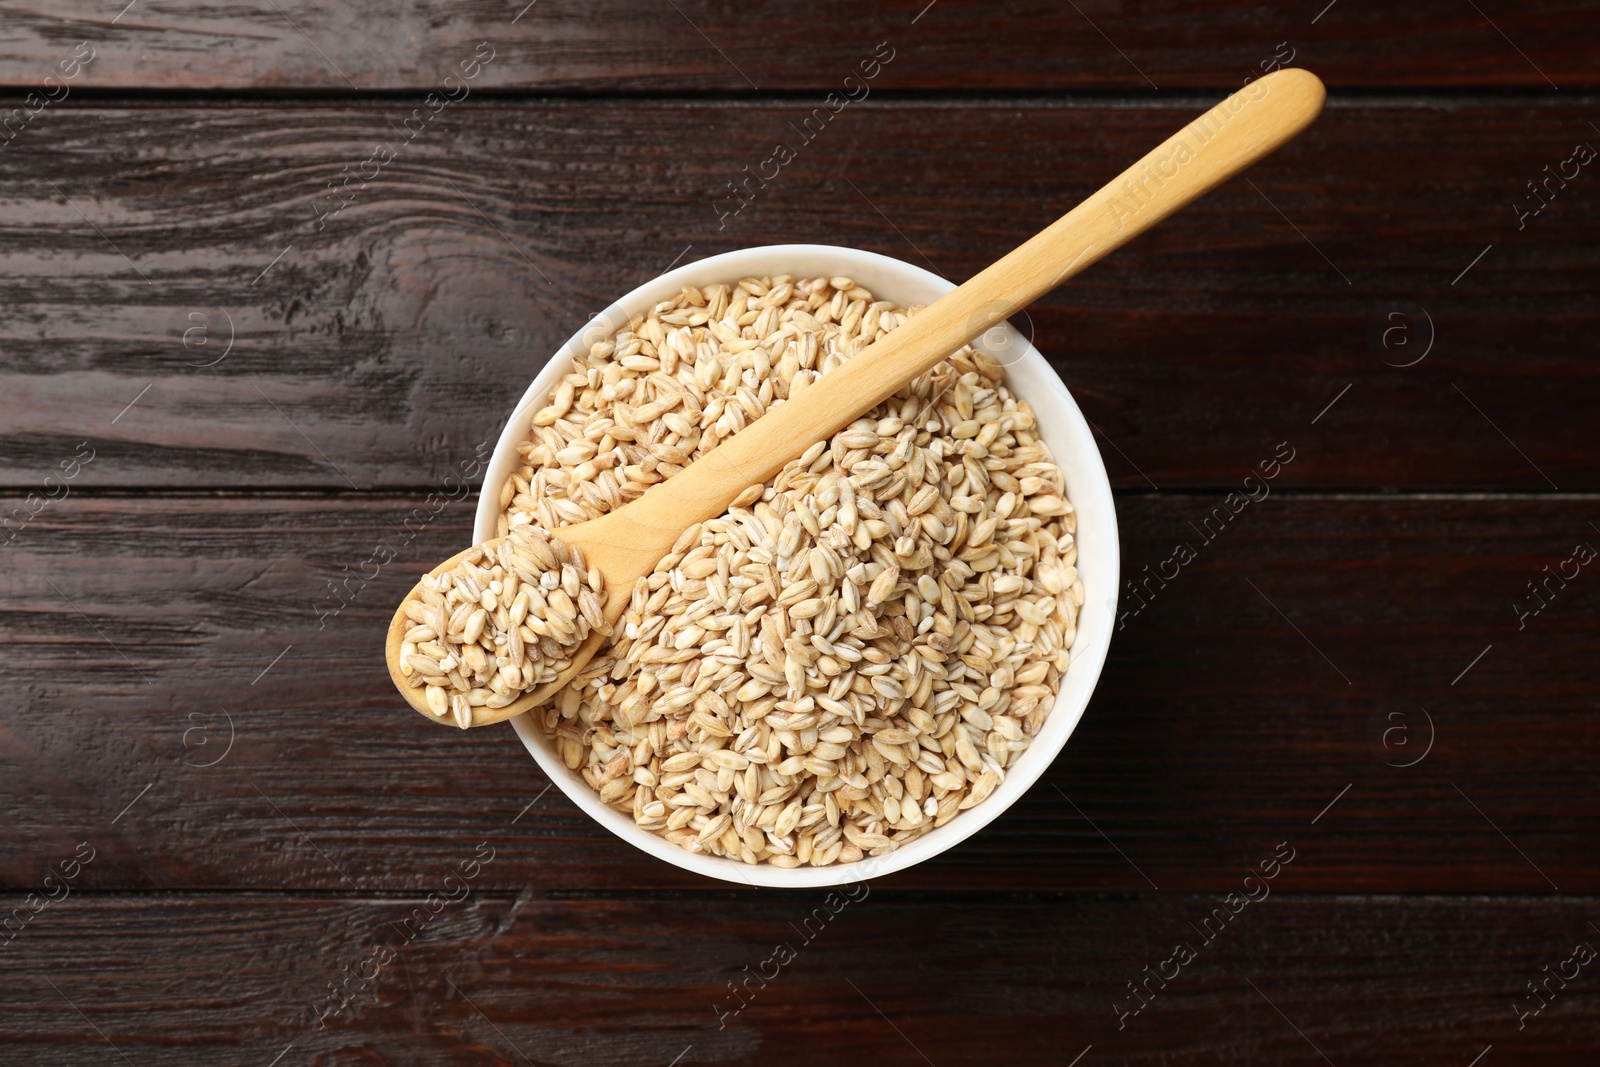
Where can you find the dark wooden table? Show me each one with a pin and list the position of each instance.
(224, 384)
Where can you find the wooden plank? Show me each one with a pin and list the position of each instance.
(378, 350)
(697, 45)
(883, 978)
(200, 692)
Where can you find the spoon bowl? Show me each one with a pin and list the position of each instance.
(625, 544)
(483, 716)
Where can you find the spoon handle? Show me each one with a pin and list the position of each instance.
(1223, 141)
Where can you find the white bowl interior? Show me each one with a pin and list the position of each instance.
(1063, 429)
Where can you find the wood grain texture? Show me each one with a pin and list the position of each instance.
(887, 978)
(372, 352)
(1219, 728)
(951, 44)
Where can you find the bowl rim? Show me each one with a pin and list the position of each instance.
(1090, 495)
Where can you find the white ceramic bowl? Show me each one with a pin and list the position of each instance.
(1063, 428)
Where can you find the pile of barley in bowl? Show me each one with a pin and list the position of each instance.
(856, 651)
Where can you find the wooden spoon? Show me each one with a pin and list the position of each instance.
(627, 543)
